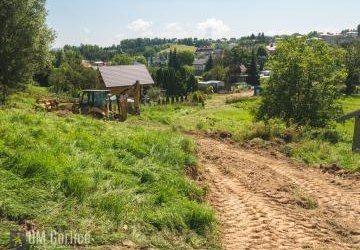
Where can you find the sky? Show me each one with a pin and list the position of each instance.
(107, 22)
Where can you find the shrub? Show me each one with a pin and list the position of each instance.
(332, 136)
(303, 87)
(266, 130)
(198, 97)
(154, 94)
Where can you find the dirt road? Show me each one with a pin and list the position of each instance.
(266, 201)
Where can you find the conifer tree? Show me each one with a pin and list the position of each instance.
(253, 76)
(209, 64)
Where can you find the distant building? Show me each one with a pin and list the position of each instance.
(99, 63)
(265, 73)
(271, 48)
(157, 61)
(217, 85)
(240, 76)
(199, 65)
(204, 51)
(338, 38)
(219, 53)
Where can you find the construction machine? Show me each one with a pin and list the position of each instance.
(99, 103)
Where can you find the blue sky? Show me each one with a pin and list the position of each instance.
(106, 22)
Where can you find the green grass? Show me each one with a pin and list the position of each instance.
(179, 47)
(235, 116)
(114, 180)
(127, 180)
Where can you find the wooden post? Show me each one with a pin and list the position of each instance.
(118, 106)
(123, 102)
(137, 94)
(356, 138)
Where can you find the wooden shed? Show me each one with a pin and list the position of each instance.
(126, 81)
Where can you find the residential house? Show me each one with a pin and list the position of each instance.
(199, 65)
(271, 48)
(338, 38)
(204, 51)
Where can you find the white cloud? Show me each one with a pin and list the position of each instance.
(174, 30)
(213, 27)
(141, 27)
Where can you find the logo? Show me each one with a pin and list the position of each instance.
(20, 240)
(17, 239)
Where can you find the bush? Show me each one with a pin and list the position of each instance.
(154, 94)
(332, 136)
(266, 130)
(303, 88)
(198, 97)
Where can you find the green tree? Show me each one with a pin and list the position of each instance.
(187, 76)
(175, 63)
(209, 64)
(262, 57)
(140, 59)
(176, 81)
(303, 87)
(233, 59)
(352, 62)
(122, 59)
(24, 42)
(253, 75)
(68, 76)
(216, 73)
(185, 58)
(358, 30)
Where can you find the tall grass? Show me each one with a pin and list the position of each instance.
(80, 174)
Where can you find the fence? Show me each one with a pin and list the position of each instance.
(171, 100)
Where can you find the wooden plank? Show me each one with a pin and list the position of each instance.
(348, 116)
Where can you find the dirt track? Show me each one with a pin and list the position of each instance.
(266, 201)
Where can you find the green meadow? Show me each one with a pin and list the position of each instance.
(113, 180)
(128, 181)
(330, 145)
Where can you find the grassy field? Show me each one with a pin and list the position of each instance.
(128, 180)
(179, 47)
(314, 146)
(113, 180)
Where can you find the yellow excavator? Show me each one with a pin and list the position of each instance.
(99, 103)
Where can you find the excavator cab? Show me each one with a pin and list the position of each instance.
(98, 103)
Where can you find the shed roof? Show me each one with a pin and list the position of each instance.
(125, 75)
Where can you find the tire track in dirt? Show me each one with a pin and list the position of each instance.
(271, 202)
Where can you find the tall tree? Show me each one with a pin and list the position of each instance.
(352, 63)
(253, 75)
(262, 56)
(216, 73)
(24, 42)
(303, 87)
(209, 64)
(170, 59)
(185, 58)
